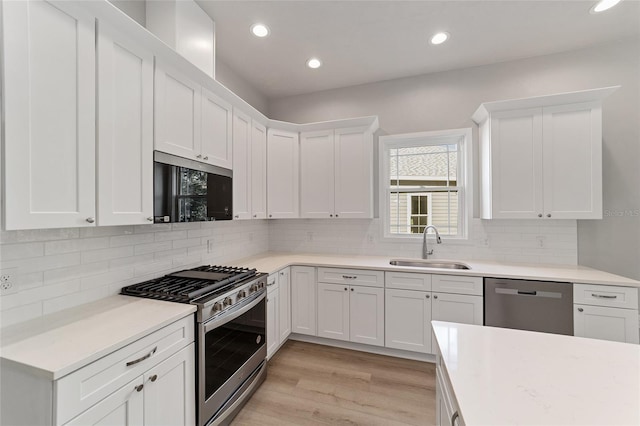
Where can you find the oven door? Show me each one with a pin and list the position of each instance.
(231, 347)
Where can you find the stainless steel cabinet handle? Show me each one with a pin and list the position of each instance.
(427, 296)
(135, 361)
(539, 214)
(330, 215)
(603, 296)
(255, 215)
(351, 288)
(198, 156)
(237, 216)
(580, 309)
(435, 296)
(91, 219)
(454, 417)
(281, 273)
(345, 289)
(270, 216)
(206, 158)
(138, 388)
(150, 219)
(153, 378)
(548, 214)
(336, 214)
(349, 277)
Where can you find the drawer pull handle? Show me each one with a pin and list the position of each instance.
(135, 361)
(349, 277)
(580, 310)
(602, 296)
(138, 388)
(454, 417)
(153, 378)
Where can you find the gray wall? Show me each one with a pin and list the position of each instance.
(238, 85)
(136, 9)
(447, 100)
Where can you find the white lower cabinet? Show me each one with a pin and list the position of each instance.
(409, 309)
(366, 315)
(164, 395)
(278, 310)
(407, 320)
(303, 300)
(333, 311)
(272, 318)
(284, 300)
(447, 411)
(606, 312)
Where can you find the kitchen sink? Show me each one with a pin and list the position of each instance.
(429, 264)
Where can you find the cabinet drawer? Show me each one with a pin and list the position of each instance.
(83, 388)
(407, 281)
(457, 284)
(605, 295)
(351, 276)
(272, 281)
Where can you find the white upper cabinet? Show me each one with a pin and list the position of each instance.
(542, 157)
(125, 130)
(49, 114)
(216, 144)
(191, 121)
(354, 173)
(317, 158)
(177, 110)
(242, 130)
(336, 173)
(282, 174)
(258, 171)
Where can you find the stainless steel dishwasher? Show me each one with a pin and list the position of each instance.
(529, 305)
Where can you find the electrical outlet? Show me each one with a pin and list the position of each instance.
(7, 285)
(210, 245)
(309, 236)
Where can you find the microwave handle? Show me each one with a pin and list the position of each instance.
(210, 325)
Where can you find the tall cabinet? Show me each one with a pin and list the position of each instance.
(542, 157)
(282, 174)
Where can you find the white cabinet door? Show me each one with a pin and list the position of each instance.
(49, 114)
(317, 174)
(516, 164)
(123, 407)
(408, 320)
(242, 130)
(353, 173)
(284, 308)
(282, 174)
(216, 146)
(169, 390)
(333, 311)
(572, 147)
(273, 318)
(177, 110)
(366, 315)
(125, 130)
(598, 322)
(460, 308)
(303, 300)
(258, 171)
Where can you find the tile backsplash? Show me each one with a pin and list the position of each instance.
(527, 241)
(55, 269)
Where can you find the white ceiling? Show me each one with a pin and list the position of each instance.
(366, 41)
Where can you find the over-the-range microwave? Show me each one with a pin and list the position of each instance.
(189, 191)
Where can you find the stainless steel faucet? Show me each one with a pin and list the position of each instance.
(425, 252)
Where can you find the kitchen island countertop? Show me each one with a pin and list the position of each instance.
(513, 377)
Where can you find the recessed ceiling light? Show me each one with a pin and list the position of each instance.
(314, 63)
(603, 5)
(259, 30)
(439, 38)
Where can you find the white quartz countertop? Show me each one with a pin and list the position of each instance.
(272, 262)
(513, 377)
(57, 344)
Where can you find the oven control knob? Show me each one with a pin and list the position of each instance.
(261, 284)
(253, 288)
(241, 294)
(228, 301)
(217, 307)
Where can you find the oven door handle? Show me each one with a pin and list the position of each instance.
(230, 316)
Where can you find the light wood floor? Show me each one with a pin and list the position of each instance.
(311, 384)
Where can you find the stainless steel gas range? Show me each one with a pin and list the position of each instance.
(230, 333)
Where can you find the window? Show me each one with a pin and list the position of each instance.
(422, 183)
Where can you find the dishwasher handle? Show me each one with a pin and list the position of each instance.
(533, 293)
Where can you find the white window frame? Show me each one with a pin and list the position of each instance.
(409, 214)
(464, 183)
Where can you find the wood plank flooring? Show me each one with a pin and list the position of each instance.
(310, 384)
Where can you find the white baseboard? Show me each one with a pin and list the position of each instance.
(364, 348)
